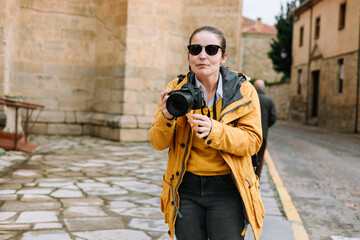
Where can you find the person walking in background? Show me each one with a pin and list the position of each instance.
(268, 118)
(210, 190)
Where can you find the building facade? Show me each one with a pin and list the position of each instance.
(326, 61)
(255, 44)
(98, 66)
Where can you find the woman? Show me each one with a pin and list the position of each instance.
(210, 190)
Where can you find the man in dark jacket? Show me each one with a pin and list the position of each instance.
(268, 118)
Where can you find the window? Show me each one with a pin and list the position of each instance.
(299, 82)
(317, 28)
(301, 37)
(340, 75)
(342, 16)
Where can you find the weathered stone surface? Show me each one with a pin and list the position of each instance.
(94, 223)
(63, 193)
(46, 235)
(149, 224)
(90, 201)
(120, 202)
(83, 211)
(37, 216)
(26, 206)
(122, 234)
(48, 226)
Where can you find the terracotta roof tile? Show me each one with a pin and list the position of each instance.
(250, 26)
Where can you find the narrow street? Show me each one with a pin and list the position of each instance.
(320, 170)
(84, 188)
(77, 188)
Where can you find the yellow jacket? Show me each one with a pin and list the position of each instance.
(237, 134)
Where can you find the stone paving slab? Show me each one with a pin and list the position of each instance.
(88, 188)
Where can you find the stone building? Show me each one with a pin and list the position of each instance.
(255, 44)
(325, 70)
(99, 66)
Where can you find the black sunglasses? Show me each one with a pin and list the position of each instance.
(195, 49)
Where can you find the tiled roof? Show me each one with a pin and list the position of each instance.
(251, 26)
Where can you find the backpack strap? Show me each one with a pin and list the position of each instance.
(190, 75)
(181, 77)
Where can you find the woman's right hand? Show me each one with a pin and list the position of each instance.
(164, 98)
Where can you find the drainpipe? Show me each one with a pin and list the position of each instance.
(308, 72)
(357, 89)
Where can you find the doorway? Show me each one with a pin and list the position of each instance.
(315, 93)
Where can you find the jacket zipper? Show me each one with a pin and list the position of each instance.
(244, 104)
(246, 221)
(174, 196)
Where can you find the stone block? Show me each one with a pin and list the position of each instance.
(33, 67)
(109, 133)
(150, 109)
(134, 84)
(29, 206)
(71, 82)
(70, 117)
(58, 69)
(103, 94)
(98, 119)
(83, 117)
(86, 129)
(133, 109)
(99, 223)
(144, 122)
(133, 135)
(31, 91)
(50, 104)
(130, 96)
(95, 131)
(65, 129)
(115, 108)
(84, 71)
(83, 211)
(39, 128)
(52, 117)
(127, 122)
(46, 234)
(44, 81)
(70, 105)
(117, 95)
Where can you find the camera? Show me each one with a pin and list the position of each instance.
(182, 101)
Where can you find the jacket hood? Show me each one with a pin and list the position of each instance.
(232, 82)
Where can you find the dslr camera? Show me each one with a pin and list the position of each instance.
(182, 101)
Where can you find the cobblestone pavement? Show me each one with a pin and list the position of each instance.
(88, 188)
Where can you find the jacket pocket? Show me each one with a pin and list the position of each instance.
(165, 199)
(252, 182)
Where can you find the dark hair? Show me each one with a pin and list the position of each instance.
(214, 30)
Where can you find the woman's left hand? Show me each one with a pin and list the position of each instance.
(201, 124)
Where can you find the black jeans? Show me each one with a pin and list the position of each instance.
(211, 207)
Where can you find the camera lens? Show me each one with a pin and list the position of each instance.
(179, 103)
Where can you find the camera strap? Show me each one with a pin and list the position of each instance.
(191, 79)
(214, 106)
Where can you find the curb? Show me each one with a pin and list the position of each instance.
(291, 213)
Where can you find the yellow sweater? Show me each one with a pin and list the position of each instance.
(205, 160)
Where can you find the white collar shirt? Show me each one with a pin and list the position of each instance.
(219, 91)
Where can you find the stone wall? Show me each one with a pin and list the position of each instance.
(337, 110)
(50, 58)
(255, 62)
(98, 66)
(2, 47)
(280, 94)
(223, 14)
